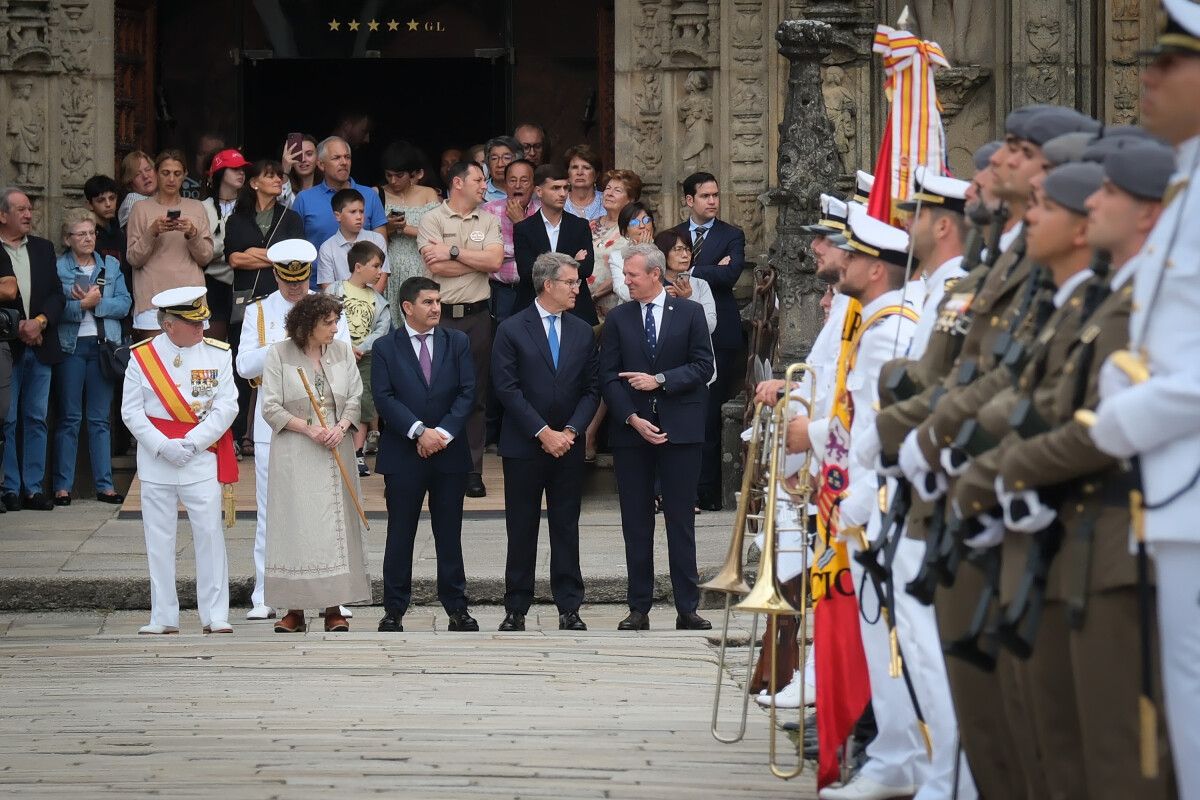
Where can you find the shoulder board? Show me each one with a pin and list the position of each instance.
(142, 343)
(217, 343)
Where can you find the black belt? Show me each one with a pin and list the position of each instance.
(460, 310)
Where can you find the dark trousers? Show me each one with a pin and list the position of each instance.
(562, 481)
(678, 467)
(478, 328)
(503, 302)
(405, 494)
(730, 367)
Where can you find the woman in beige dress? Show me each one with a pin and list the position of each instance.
(316, 546)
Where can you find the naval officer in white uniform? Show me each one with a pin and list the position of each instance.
(179, 401)
(263, 327)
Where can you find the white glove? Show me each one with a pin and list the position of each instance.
(912, 460)
(177, 451)
(991, 535)
(954, 461)
(1113, 379)
(867, 447)
(855, 508)
(1023, 511)
(929, 485)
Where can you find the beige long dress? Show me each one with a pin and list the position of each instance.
(316, 545)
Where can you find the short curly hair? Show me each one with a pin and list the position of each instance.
(302, 320)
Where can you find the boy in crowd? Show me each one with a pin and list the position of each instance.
(349, 209)
(368, 318)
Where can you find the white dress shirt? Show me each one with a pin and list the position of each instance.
(416, 346)
(551, 231)
(657, 303)
(542, 315)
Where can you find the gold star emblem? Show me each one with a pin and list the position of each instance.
(412, 24)
(393, 25)
(334, 25)
(354, 25)
(372, 26)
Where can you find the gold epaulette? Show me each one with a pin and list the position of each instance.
(141, 343)
(216, 343)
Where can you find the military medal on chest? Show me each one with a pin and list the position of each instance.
(204, 382)
(178, 361)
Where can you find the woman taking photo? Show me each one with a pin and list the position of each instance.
(138, 181)
(678, 277)
(300, 169)
(583, 167)
(316, 546)
(169, 242)
(226, 177)
(97, 301)
(405, 201)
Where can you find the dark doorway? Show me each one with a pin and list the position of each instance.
(432, 103)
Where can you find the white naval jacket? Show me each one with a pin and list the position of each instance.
(215, 405)
(935, 290)
(1160, 418)
(252, 355)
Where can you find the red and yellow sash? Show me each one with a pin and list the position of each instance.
(183, 418)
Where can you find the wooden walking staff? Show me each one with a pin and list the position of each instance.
(336, 457)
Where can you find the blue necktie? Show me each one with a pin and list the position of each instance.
(651, 333)
(552, 335)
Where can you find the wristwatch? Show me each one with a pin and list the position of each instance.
(453, 253)
(660, 379)
(417, 431)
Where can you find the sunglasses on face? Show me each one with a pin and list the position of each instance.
(639, 222)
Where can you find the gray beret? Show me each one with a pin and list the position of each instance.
(1071, 184)
(1049, 123)
(1017, 119)
(1129, 132)
(1100, 149)
(1143, 171)
(1066, 148)
(984, 154)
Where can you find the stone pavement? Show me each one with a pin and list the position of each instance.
(93, 711)
(84, 556)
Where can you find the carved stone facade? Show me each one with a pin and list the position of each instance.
(57, 91)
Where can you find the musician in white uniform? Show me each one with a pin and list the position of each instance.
(1157, 419)
(178, 401)
(263, 327)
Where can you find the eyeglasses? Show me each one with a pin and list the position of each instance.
(681, 248)
(640, 221)
(571, 284)
(504, 158)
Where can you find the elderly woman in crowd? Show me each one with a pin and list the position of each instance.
(169, 242)
(621, 187)
(97, 301)
(316, 546)
(300, 168)
(583, 167)
(138, 181)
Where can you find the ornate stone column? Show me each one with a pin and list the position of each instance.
(809, 164)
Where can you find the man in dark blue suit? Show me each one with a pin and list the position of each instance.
(655, 363)
(718, 256)
(423, 382)
(553, 230)
(544, 371)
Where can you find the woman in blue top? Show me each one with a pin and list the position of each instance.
(97, 301)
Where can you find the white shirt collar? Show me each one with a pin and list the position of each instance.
(1010, 236)
(895, 297)
(546, 220)
(543, 313)
(948, 266)
(1069, 285)
(659, 300)
(693, 227)
(412, 332)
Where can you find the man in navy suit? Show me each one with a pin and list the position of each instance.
(718, 256)
(553, 230)
(544, 371)
(423, 382)
(655, 363)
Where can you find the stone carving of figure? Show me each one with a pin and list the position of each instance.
(24, 128)
(696, 114)
(843, 112)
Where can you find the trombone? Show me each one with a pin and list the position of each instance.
(762, 480)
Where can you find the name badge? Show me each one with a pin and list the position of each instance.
(476, 236)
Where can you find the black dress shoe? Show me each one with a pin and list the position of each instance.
(11, 501)
(692, 622)
(113, 499)
(39, 502)
(62, 499)
(513, 622)
(462, 621)
(636, 621)
(392, 622)
(570, 621)
(475, 487)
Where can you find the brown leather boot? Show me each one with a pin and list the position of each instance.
(334, 621)
(292, 622)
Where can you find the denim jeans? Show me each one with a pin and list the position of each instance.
(82, 385)
(30, 398)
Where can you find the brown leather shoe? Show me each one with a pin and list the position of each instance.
(292, 622)
(335, 622)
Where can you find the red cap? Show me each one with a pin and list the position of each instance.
(227, 159)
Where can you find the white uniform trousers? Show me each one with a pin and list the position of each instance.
(262, 456)
(160, 514)
(895, 751)
(1177, 568)
(921, 645)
